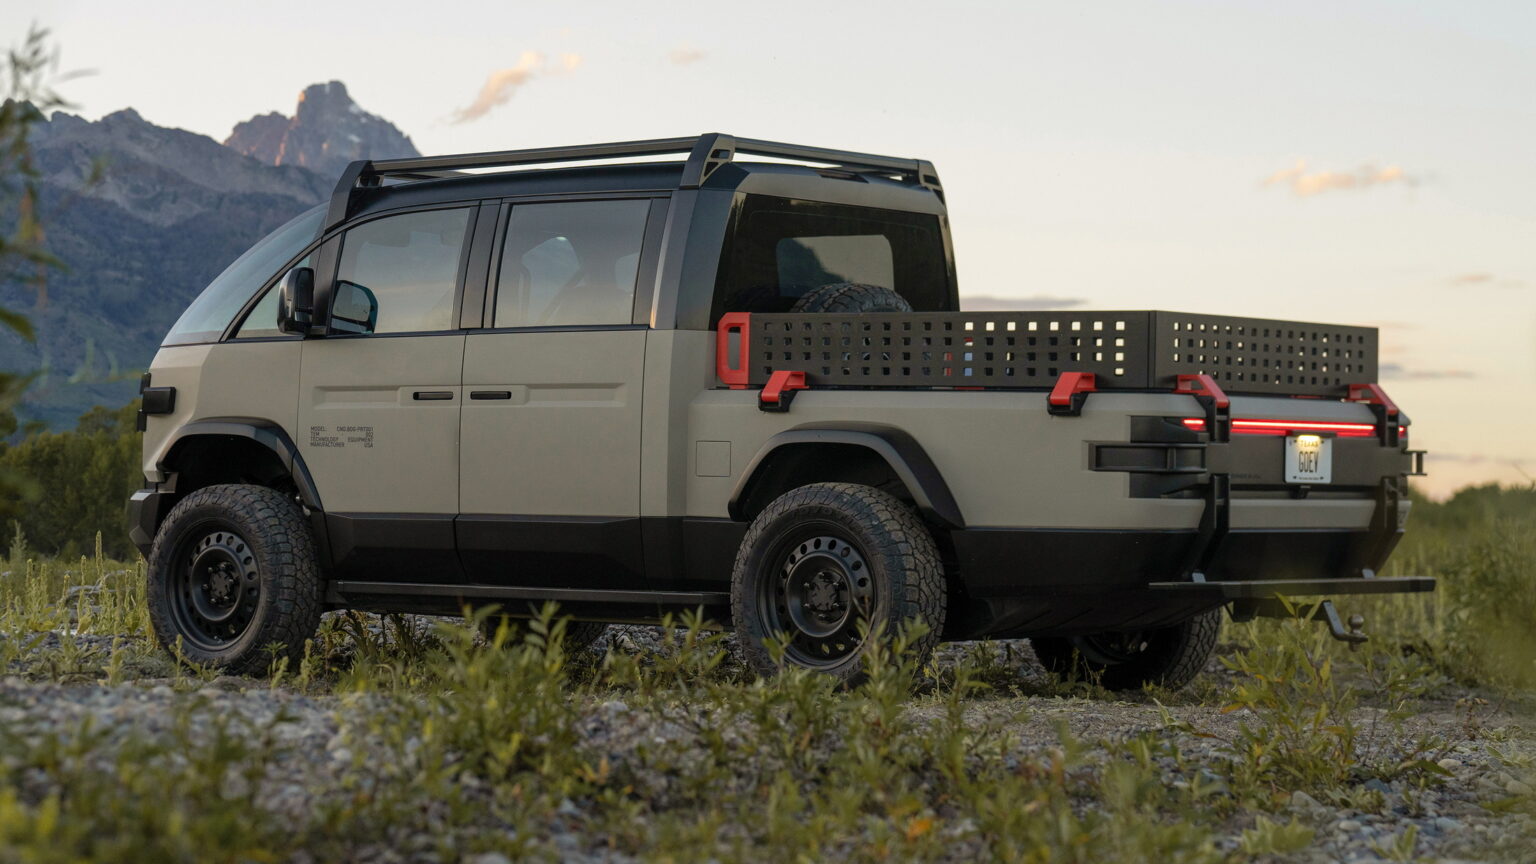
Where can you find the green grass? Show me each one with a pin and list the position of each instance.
(447, 746)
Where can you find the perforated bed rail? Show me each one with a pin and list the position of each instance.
(1029, 350)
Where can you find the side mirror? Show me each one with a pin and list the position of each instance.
(354, 309)
(296, 301)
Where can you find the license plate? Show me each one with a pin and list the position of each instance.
(1308, 459)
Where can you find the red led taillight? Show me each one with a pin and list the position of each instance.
(1285, 427)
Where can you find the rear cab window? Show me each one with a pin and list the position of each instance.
(779, 249)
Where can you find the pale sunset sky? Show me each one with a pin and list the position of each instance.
(1369, 163)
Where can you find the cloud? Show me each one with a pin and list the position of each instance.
(685, 55)
(500, 85)
(987, 303)
(1485, 279)
(1305, 184)
(1398, 372)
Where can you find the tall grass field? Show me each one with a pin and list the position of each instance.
(406, 739)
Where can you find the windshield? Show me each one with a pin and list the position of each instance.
(221, 301)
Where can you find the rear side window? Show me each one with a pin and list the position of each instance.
(779, 249)
(409, 265)
(570, 263)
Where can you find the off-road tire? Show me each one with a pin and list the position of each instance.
(579, 635)
(1171, 656)
(267, 546)
(879, 532)
(851, 297)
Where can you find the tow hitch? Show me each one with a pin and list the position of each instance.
(1355, 635)
(1251, 598)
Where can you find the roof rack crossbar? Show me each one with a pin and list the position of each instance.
(720, 148)
(506, 158)
(841, 158)
(705, 152)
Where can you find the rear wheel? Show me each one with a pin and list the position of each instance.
(233, 580)
(823, 558)
(1166, 657)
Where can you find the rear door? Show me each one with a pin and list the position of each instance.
(379, 409)
(550, 449)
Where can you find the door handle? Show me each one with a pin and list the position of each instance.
(432, 395)
(490, 394)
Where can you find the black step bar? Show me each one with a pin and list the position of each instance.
(1267, 589)
(681, 599)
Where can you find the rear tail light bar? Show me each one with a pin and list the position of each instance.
(1284, 427)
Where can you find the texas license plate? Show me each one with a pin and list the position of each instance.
(1308, 459)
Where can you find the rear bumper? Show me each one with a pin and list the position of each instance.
(1019, 582)
(1025, 562)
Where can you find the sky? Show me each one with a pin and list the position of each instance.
(1364, 163)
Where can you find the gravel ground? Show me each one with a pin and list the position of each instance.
(1451, 821)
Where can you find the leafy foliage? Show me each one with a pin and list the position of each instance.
(74, 484)
(24, 253)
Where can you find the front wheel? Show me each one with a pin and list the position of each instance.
(1166, 657)
(233, 579)
(824, 559)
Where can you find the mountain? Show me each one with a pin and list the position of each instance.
(171, 210)
(327, 131)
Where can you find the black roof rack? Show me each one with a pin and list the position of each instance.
(705, 154)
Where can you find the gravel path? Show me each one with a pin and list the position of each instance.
(310, 733)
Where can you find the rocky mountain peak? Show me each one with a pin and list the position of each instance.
(327, 131)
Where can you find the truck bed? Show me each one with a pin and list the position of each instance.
(1145, 350)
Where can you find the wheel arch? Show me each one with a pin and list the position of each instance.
(232, 449)
(794, 457)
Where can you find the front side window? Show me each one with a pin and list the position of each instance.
(261, 323)
(779, 249)
(226, 295)
(407, 266)
(570, 263)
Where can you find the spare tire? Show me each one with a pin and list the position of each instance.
(851, 297)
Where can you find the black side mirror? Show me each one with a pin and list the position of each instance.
(296, 301)
(354, 309)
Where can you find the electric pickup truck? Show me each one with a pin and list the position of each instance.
(634, 385)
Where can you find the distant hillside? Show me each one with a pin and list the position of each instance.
(172, 210)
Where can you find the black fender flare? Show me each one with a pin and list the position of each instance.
(264, 432)
(905, 456)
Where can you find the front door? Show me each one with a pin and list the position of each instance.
(379, 410)
(550, 448)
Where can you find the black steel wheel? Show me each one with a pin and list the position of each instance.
(213, 586)
(233, 579)
(1166, 657)
(825, 563)
(819, 590)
